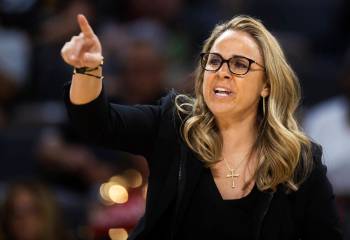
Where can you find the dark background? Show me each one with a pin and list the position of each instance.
(148, 47)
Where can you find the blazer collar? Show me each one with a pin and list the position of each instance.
(193, 169)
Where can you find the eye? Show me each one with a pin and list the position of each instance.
(240, 63)
(214, 61)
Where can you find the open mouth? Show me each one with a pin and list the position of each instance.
(222, 92)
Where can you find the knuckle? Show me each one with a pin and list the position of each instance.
(66, 45)
(74, 38)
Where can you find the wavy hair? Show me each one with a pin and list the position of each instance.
(283, 150)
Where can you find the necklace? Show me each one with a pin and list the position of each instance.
(232, 171)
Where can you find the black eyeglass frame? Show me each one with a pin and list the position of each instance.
(223, 60)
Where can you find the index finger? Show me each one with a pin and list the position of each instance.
(85, 26)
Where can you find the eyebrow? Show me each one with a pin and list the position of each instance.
(234, 55)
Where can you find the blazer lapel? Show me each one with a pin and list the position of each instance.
(165, 196)
(192, 171)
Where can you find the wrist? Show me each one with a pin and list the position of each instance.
(90, 71)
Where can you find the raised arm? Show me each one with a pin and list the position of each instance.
(130, 128)
(84, 50)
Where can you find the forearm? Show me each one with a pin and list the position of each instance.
(85, 88)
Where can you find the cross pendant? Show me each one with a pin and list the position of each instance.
(232, 175)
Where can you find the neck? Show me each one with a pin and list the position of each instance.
(239, 135)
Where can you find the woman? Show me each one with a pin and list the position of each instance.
(230, 162)
(29, 212)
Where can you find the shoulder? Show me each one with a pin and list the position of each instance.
(316, 152)
(315, 162)
(176, 105)
(309, 168)
(317, 180)
(168, 101)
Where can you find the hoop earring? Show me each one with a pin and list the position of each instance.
(264, 106)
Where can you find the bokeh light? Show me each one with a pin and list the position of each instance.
(118, 194)
(118, 234)
(133, 178)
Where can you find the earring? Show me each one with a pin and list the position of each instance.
(264, 106)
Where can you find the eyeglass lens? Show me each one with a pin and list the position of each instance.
(237, 64)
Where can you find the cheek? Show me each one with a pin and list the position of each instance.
(207, 82)
(250, 87)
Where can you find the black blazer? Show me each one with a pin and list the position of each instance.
(153, 131)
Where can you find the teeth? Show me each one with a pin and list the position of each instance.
(222, 91)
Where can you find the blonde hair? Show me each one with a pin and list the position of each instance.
(283, 150)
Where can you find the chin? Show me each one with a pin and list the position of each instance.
(220, 110)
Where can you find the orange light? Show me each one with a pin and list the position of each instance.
(133, 178)
(118, 194)
(118, 234)
(104, 192)
(119, 180)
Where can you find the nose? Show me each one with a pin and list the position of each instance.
(224, 71)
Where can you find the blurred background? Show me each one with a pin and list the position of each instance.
(55, 186)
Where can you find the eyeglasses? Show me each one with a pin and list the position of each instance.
(237, 65)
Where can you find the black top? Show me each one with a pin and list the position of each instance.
(153, 131)
(209, 216)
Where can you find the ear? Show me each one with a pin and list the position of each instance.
(265, 91)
